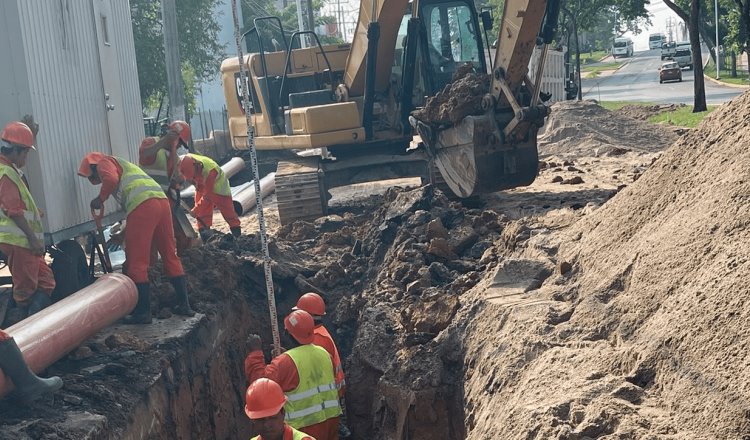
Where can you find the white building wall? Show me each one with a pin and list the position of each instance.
(553, 77)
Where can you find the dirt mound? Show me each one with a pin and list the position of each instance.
(585, 128)
(646, 335)
(459, 98)
(643, 112)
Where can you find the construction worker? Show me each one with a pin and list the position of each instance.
(211, 189)
(21, 231)
(313, 304)
(264, 405)
(149, 219)
(28, 385)
(305, 373)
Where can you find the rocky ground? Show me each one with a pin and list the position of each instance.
(606, 300)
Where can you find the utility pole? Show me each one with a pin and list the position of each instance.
(301, 23)
(716, 47)
(172, 58)
(310, 19)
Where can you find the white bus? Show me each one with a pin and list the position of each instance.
(622, 47)
(655, 41)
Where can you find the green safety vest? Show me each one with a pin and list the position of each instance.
(221, 187)
(10, 233)
(158, 170)
(136, 186)
(296, 435)
(316, 397)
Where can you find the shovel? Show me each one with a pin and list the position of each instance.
(100, 244)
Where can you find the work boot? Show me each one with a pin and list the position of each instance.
(28, 385)
(205, 234)
(180, 289)
(39, 301)
(236, 231)
(142, 312)
(16, 313)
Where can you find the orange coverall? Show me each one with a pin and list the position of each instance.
(4, 336)
(29, 272)
(206, 199)
(150, 222)
(283, 371)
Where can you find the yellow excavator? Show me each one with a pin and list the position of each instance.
(351, 106)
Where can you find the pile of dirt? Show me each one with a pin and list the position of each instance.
(459, 98)
(585, 128)
(643, 112)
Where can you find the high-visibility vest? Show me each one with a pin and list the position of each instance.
(315, 399)
(338, 370)
(296, 435)
(10, 233)
(221, 187)
(159, 170)
(136, 186)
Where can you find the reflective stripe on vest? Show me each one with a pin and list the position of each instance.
(337, 369)
(136, 186)
(158, 170)
(296, 435)
(315, 399)
(221, 186)
(10, 233)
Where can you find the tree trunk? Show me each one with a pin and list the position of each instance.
(699, 86)
(733, 57)
(745, 17)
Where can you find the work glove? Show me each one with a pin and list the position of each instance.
(96, 203)
(254, 342)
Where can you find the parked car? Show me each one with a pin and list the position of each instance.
(684, 57)
(670, 71)
(622, 47)
(668, 50)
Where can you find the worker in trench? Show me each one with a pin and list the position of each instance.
(21, 230)
(211, 190)
(305, 373)
(29, 386)
(264, 405)
(313, 304)
(149, 220)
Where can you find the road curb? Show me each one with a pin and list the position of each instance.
(722, 83)
(597, 83)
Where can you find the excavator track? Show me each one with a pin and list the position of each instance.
(300, 191)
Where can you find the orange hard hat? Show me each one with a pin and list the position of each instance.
(312, 303)
(18, 133)
(300, 325)
(263, 398)
(183, 129)
(188, 167)
(93, 158)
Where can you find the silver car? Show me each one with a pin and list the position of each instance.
(684, 57)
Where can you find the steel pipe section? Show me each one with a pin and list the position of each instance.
(47, 336)
(245, 199)
(234, 166)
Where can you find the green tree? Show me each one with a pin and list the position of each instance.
(200, 51)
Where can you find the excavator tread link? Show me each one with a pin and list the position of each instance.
(299, 190)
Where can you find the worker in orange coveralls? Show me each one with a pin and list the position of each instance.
(21, 230)
(306, 375)
(313, 304)
(28, 385)
(149, 218)
(158, 156)
(211, 189)
(264, 405)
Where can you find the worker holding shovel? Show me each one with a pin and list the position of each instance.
(149, 220)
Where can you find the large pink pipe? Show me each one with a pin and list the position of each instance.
(57, 330)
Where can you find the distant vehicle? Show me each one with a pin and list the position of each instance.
(684, 57)
(622, 47)
(668, 49)
(670, 71)
(655, 41)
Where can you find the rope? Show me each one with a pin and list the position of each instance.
(258, 197)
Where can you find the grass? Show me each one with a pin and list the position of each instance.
(594, 71)
(682, 116)
(592, 57)
(725, 75)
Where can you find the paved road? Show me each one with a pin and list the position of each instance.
(638, 80)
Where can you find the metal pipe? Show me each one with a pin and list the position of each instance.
(239, 188)
(59, 329)
(232, 167)
(245, 199)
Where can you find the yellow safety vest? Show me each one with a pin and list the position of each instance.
(158, 170)
(10, 233)
(221, 187)
(316, 398)
(136, 186)
(296, 435)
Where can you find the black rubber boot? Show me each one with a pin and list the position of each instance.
(39, 300)
(28, 385)
(205, 234)
(15, 313)
(236, 231)
(183, 303)
(142, 312)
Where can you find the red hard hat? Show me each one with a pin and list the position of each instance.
(84, 170)
(18, 133)
(300, 325)
(188, 167)
(183, 129)
(312, 303)
(263, 398)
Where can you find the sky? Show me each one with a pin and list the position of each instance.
(661, 17)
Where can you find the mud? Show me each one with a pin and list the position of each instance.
(459, 98)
